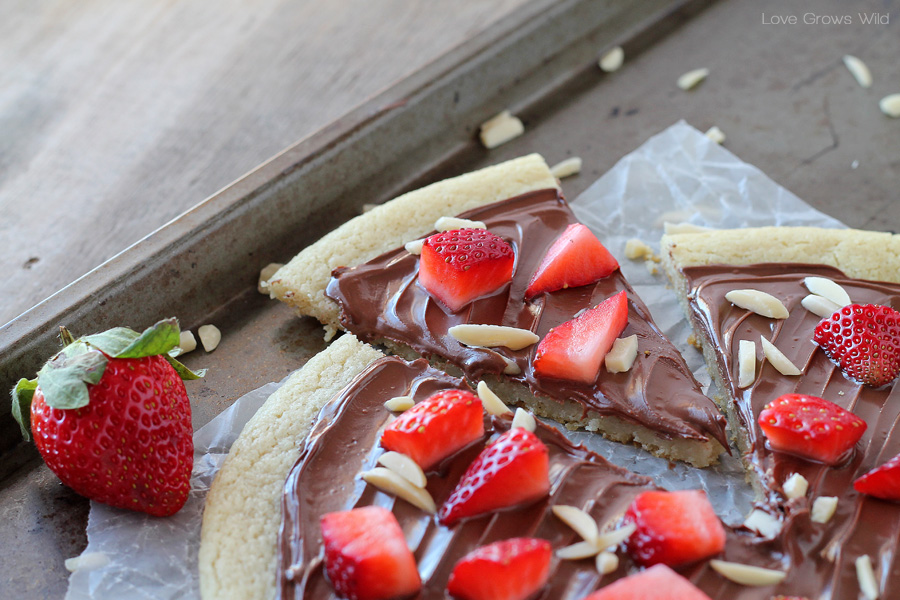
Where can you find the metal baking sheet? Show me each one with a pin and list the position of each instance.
(780, 94)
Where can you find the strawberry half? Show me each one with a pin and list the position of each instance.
(881, 482)
(436, 427)
(673, 528)
(810, 427)
(366, 556)
(513, 470)
(576, 349)
(111, 418)
(653, 584)
(460, 265)
(576, 258)
(508, 570)
(864, 341)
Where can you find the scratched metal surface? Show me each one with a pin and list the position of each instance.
(780, 93)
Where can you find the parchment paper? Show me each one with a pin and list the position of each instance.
(678, 175)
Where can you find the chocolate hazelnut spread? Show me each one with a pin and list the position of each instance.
(382, 300)
(345, 441)
(820, 556)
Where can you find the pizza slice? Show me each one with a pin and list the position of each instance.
(799, 328)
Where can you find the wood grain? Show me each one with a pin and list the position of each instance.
(115, 117)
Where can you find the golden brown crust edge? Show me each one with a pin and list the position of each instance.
(859, 254)
(301, 283)
(243, 509)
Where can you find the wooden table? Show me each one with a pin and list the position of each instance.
(116, 117)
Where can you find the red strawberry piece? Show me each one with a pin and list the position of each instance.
(810, 427)
(576, 258)
(673, 528)
(366, 556)
(460, 265)
(116, 430)
(864, 341)
(882, 482)
(655, 583)
(436, 427)
(576, 349)
(508, 570)
(512, 470)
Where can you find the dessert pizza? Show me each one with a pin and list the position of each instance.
(799, 328)
(522, 271)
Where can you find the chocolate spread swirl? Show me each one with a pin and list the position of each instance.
(345, 441)
(382, 300)
(862, 524)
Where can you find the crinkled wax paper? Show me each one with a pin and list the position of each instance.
(679, 175)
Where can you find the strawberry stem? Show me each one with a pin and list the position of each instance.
(65, 336)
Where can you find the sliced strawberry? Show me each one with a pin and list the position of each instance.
(653, 584)
(576, 258)
(460, 265)
(673, 528)
(513, 470)
(864, 341)
(576, 349)
(436, 427)
(810, 427)
(882, 482)
(366, 556)
(508, 570)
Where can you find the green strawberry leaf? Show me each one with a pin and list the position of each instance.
(121, 342)
(21, 404)
(64, 378)
(183, 372)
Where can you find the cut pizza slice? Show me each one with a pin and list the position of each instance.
(408, 298)
(800, 330)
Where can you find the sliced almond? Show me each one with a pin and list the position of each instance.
(500, 129)
(692, 78)
(819, 306)
(823, 509)
(392, 483)
(448, 223)
(490, 401)
(747, 574)
(87, 561)
(524, 420)
(613, 538)
(491, 336)
(716, 134)
(210, 336)
(859, 70)
(778, 360)
(186, 343)
(621, 356)
(262, 285)
(746, 363)
(400, 403)
(512, 367)
(405, 467)
(635, 249)
(612, 60)
(865, 574)
(578, 551)
(890, 105)
(582, 523)
(763, 523)
(607, 562)
(827, 288)
(566, 168)
(414, 247)
(759, 302)
(795, 486)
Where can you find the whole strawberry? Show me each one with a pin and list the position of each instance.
(864, 341)
(111, 418)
